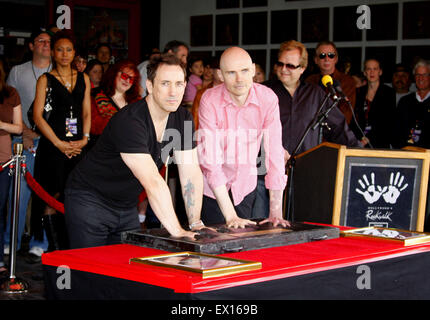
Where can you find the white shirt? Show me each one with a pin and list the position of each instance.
(23, 78)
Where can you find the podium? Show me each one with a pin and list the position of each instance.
(352, 187)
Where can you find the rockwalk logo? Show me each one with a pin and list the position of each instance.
(390, 193)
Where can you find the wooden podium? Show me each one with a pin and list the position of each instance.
(342, 186)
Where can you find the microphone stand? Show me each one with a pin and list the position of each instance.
(320, 116)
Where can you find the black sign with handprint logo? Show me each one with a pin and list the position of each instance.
(380, 196)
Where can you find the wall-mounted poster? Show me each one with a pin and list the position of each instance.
(93, 25)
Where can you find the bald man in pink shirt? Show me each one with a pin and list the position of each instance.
(233, 119)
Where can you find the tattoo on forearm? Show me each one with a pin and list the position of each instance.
(189, 191)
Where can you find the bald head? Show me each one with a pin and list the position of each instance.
(234, 54)
(237, 72)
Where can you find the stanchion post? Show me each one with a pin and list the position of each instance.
(14, 284)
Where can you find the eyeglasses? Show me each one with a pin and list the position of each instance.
(287, 65)
(331, 55)
(43, 41)
(126, 77)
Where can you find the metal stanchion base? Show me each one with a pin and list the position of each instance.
(14, 285)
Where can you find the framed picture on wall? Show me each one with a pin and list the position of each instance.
(315, 24)
(416, 24)
(227, 29)
(227, 4)
(201, 30)
(284, 25)
(254, 29)
(384, 22)
(254, 3)
(345, 28)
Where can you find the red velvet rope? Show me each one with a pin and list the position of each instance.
(45, 196)
(54, 203)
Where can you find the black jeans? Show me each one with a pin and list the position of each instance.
(91, 222)
(211, 212)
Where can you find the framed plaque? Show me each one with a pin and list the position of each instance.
(206, 265)
(384, 191)
(407, 238)
(361, 187)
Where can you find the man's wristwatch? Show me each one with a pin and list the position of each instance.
(196, 224)
(87, 135)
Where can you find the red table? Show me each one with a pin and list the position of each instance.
(279, 263)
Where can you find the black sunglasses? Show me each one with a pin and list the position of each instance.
(288, 65)
(331, 55)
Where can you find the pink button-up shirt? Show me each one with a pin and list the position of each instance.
(229, 139)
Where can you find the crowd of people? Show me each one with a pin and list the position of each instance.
(96, 135)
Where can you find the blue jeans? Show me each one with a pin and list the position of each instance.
(4, 192)
(261, 204)
(24, 200)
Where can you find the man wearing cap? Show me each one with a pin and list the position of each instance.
(401, 81)
(326, 57)
(23, 78)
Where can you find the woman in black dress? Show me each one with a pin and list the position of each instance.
(63, 135)
(374, 108)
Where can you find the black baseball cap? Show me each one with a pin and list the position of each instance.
(38, 31)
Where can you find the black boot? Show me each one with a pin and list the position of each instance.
(55, 228)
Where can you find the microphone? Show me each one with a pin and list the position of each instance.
(327, 81)
(339, 91)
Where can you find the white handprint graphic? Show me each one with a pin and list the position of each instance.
(394, 188)
(370, 192)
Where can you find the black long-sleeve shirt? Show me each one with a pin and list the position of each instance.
(376, 118)
(412, 123)
(297, 113)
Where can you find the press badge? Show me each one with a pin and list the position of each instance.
(71, 125)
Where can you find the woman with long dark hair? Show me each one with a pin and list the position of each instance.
(119, 87)
(63, 135)
(10, 123)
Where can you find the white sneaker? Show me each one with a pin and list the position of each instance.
(6, 249)
(38, 251)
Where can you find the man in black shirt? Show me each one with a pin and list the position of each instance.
(413, 112)
(103, 190)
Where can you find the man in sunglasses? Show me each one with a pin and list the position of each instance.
(300, 100)
(326, 57)
(298, 103)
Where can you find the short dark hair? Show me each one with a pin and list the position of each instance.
(174, 46)
(326, 43)
(103, 44)
(165, 58)
(63, 34)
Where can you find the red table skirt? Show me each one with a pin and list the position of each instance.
(277, 263)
